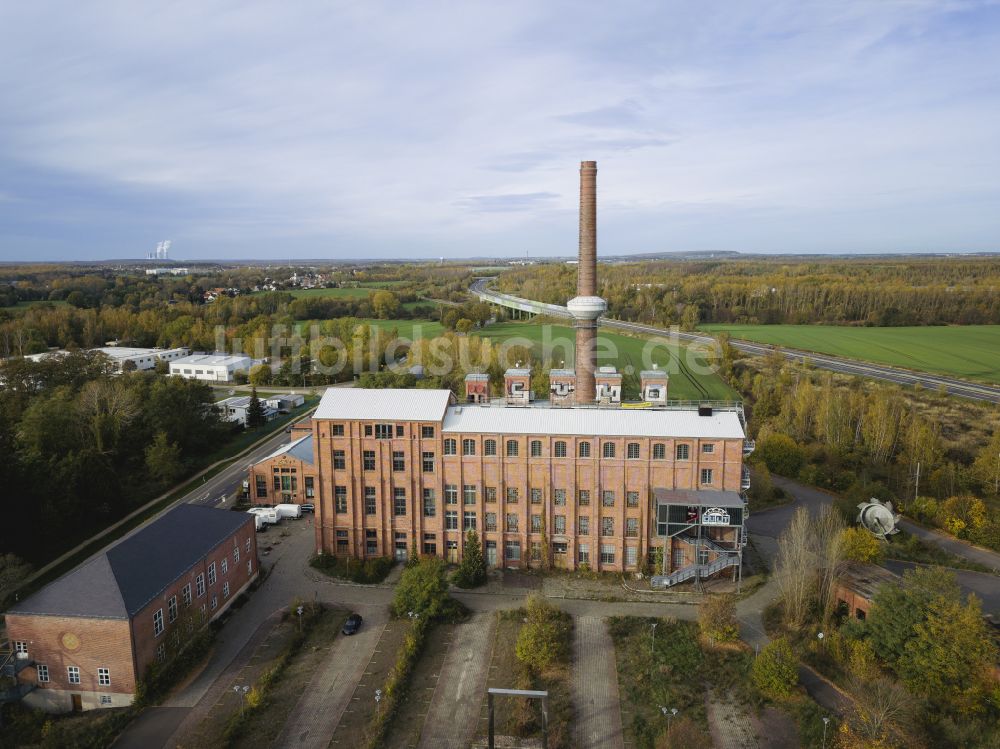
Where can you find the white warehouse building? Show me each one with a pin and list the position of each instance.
(143, 358)
(211, 367)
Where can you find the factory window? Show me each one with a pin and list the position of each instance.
(73, 673)
(536, 523)
(469, 521)
(560, 449)
(199, 584)
(633, 450)
(490, 494)
(451, 494)
(450, 447)
(368, 460)
(20, 646)
(427, 432)
(559, 496)
(105, 699)
(607, 526)
(368, 430)
(451, 520)
(584, 449)
(631, 556)
(512, 495)
(430, 544)
(583, 497)
(370, 501)
(104, 677)
(706, 475)
(399, 501)
(511, 522)
(536, 448)
(339, 460)
(261, 486)
(559, 524)
(430, 503)
(632, 527)
(249, 566)
(560, 548)
(536, 551)
(383, 431)
(536, 496)
(157, 622)
(468, 447)
(400, 431)
(609, 449)
(398, 460)
(607, 554)
(43, 673)
(172, 609)
(469, 494)
(225, 565)
(490, 447)
(583, 525)
(215, 602)
(583, 553)
(248, 546)
(427, 462)
(512, 551)
(225, 589)
(632, 499)
(161, 652)
(708, 449)
(683, 451)
(340, 497)
(491, 521)
(608, 498)
(511, 448)
(310, 488)
(338, 430)
(659, 451)
(211, 574)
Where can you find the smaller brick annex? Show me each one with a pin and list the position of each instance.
(86, 639)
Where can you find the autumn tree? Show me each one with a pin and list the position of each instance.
(163, 459)
(775, 671)
(717, 618)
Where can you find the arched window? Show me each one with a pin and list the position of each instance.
(536, 448)
(609, 449)
(468, 447)
(490, 447)
(560, 449)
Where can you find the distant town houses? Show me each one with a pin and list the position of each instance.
(86, 640)
(212, 294)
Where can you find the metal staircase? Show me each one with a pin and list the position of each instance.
(706, 542)
(702, 570)
(10, 666)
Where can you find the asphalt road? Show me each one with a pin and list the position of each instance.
(953, 386)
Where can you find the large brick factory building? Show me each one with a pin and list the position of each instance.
(85, 640)
(577, 479)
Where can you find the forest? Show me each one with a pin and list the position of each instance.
(877, 292)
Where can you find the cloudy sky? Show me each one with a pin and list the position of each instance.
(406, 129)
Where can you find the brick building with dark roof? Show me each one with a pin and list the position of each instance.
(86, 639)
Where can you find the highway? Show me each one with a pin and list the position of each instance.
(953, 386)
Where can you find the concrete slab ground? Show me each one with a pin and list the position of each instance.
(595, 686)
(454, 709)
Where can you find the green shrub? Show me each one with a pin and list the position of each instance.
(781, 454)
(544, 640)
(775, 672)
(364, 572)
(471, 573)
(717, 618)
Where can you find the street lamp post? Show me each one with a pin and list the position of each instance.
(242, 692)
(826, 722)
(652, 648)
(378, 700)
(299, 611)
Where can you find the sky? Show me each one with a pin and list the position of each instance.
(340, 130)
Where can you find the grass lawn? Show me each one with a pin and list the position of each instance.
(518, 716)
(971, 351)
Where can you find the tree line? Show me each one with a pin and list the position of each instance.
(882, 292)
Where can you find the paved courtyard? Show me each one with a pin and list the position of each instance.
(595, 686)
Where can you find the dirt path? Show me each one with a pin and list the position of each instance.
(315, 717)
(454, 709)
(595, 686)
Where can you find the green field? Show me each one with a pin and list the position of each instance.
(971, 351)
(622, 352)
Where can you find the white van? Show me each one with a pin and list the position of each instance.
(288, 511)
(266, 514)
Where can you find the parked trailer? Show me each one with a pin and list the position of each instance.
(266, 514)
(288, 511)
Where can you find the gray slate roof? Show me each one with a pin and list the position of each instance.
(121, 581)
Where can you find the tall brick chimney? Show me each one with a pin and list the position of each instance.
(586, 306)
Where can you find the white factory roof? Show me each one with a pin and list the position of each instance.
(129, 352)
(590, 422)
(301, 448)
(388, 404)
(212, 360)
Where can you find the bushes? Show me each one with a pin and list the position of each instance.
(775, 672)
(397, 683)
(781, 454)
(366, 572)
(544, 640)
(862, 546)
(717, 619)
